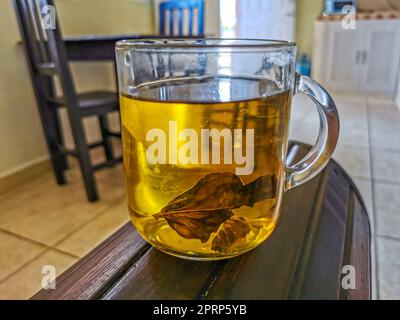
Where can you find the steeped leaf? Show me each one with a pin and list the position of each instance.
(201, 210)
(231, 231)
(197, 224)
(213, 191)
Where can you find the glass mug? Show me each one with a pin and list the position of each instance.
(205, 135)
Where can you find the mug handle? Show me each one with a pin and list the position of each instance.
(322, 151)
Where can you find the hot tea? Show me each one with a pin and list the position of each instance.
(204, 166)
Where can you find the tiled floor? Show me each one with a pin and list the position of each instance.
(43, 224)
(369, 150)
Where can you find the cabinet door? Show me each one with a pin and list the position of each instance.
(342, 56)
(381, 56)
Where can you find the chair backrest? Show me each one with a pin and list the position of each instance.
(45, 51)
(173, 14)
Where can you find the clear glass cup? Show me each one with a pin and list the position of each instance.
(205, 135)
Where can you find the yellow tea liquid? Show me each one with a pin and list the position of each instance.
(201, 232)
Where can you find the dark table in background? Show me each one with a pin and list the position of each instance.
(323, 227)
(100, 47)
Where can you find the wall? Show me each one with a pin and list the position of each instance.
(306, 13)
(21, 138)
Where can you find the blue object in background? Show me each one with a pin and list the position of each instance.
(177, 8)
(303, 66)
(333, 7)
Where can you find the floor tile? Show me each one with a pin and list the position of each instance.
(351, 106)
(353, 112)
(350, 112)
(347, 101)
(113, 175)
(355, 119)
(381, 102)
(304, 134)
(385, 138)
(387, 204)
(97, 230)
(388, 252)
(45, 212)
(383, 119)
(353, 135)
(355, 160)
(15, 252)
(301, 105)
(353, 128)
(305, 130)
(386, 165)
(28, 280)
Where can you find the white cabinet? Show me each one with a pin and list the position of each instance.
(381, 45)
(340, 58)
(366, 59)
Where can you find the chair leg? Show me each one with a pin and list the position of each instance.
(88, 176)
(85, 163)
(59, 163)
(106, 139)
(52, 131)
(87, 173)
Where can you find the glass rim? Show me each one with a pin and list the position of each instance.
(201, 43)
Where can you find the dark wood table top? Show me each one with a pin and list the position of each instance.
(323, 227)
(100, 47)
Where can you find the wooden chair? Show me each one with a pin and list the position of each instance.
(47, 60)
(176, 8)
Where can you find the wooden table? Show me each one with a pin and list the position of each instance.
(92, 48)
(323, 226)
